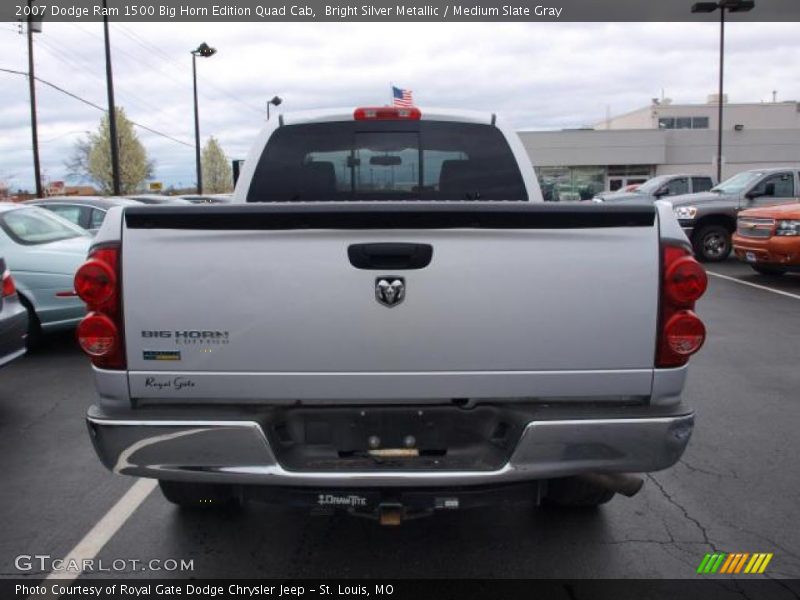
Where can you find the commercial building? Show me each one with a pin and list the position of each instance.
(663, 138)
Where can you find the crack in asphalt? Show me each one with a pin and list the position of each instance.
(570, 592)
(685, 512)
(671, 542)
(691, 467)
(40, 417)
(766, 539)
(784, 586)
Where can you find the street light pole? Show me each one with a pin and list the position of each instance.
(198, 166)
(708, 7)
(205, 51)
(276, 100)
(112, 110)
(37, 172)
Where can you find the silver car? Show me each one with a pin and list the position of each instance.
(42, 251)
(87, 212)
(13, 319)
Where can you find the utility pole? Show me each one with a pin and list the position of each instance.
(37, 173)
(112, 110)
(721, 88)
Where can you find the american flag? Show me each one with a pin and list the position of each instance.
(402, 98)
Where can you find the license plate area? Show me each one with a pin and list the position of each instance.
(395, 438)
(750, 257)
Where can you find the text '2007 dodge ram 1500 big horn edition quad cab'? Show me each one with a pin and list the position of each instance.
(389, 319)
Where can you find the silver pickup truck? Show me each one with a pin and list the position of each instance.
(389, 320)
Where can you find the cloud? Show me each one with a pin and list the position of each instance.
(538, 75)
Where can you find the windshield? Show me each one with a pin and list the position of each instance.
(37, 226)
(388, 160)
(651, 185)
(737, 183)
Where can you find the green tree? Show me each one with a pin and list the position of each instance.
(91, 157)
(217, 171)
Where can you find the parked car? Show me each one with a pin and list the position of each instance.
(13, 318)
(85, 211)
(397, 347)
(157, 199)
(709, 218)
(768, 238)
(660, 187)
(207, 198)
(43, 251)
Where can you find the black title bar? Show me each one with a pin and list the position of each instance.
(387, 10)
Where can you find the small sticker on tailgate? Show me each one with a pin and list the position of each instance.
(161, 354)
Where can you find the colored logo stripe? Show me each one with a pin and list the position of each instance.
(734, 563)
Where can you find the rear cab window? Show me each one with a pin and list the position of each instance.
(390, 160)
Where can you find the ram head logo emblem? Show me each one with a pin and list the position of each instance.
(390, 291)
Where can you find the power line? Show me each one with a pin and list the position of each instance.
(78, 64)
(93, 105)
(180, 68)
(168, 61)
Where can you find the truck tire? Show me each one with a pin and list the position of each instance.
(712, 243)
(198, 495)
(34, 336)
(572, 492)
(768, 270)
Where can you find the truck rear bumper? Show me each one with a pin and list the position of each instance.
(238, 452)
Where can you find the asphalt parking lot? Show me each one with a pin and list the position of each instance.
(737, 489)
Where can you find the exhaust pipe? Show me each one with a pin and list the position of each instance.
(626, 484)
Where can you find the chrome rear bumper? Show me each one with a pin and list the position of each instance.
(238, 452)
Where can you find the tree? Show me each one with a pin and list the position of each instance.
(91, 157)
(217, 171)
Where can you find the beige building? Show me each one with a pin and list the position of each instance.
(663, 138)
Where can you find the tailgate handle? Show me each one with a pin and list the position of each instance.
(390, 255)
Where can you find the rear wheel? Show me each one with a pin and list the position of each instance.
(34, 334)
(199, 495)
(572, 492)
(712, 243)
(768, 270)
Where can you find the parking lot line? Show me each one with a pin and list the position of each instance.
(755, 285)
(106, 527)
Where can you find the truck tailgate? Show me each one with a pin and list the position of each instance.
(262, 302)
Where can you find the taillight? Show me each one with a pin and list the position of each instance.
(681, 332)
(685, 280)
(8, 284)
(98, 335)
(97, 282)
(387, 113)
(684, 333)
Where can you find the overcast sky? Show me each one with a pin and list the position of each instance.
(538, 75)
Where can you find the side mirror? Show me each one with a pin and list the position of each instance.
(661, 192)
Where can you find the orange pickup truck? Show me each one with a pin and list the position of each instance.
(768, 238)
